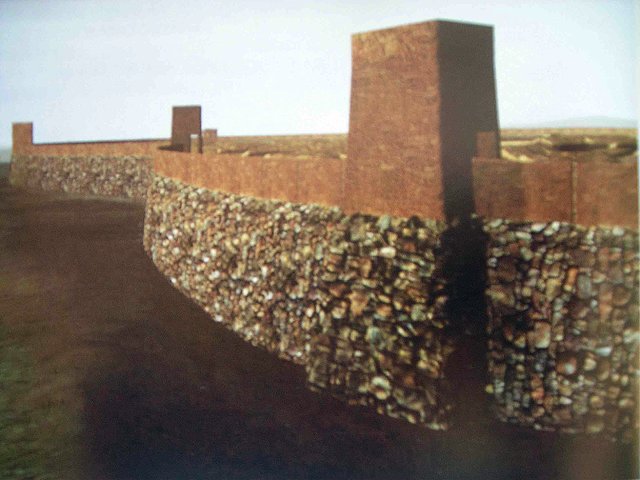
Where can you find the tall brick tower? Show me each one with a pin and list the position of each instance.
(420, 95)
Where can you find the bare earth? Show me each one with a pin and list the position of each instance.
(607, 144)
(108, 372)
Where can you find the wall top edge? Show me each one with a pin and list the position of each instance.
(432, 24)
(98, 142)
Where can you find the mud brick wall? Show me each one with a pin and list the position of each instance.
(563, 326)
(186, 121)
(540, 191)
(209, 137)
(309, 180)
(419, 96)
(548, 191)
(607, 194)
(357, 299)
(585, 193)
(125, 177)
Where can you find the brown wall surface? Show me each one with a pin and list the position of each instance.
(607, 194)
(419, 95)
(209, 136)
(498, 189)
(186, 121)
(312, 180)
(547, 191)
(22, 137)
(393, 163)
(600, 193)
(538, 192)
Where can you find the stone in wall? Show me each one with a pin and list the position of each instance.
(383, 341)
(357, 299)
(126, 177)
(563, 326)
(252, 264)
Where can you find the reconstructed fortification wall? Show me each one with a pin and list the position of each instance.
(121, 176)
(586, 193)
(358, 299)
(114, 168)
(333, 264)
(563, 325)
(308, 180)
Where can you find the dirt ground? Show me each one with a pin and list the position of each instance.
(107, 372)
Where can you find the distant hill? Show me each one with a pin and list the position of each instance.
(584, 122)
(5, 154)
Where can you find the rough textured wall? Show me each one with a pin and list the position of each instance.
(563, 326)
(22, 137)
(419, 95)
(358, 299)
(252, 264)
(384, 341)
(126, 176)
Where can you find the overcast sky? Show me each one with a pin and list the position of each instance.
(83, 70)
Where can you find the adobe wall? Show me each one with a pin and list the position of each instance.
(358, 300)
(585, 193)
(607, 194)
(308, 180)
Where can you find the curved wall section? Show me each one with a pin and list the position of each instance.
(357, 299)
(117, 176)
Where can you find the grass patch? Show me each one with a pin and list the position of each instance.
(36, 438)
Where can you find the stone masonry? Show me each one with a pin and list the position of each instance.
(563, 326)
(357, 299)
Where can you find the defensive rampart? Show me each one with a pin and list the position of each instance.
(368, 270)
(110, 168)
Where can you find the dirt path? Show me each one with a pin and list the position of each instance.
(111, 373)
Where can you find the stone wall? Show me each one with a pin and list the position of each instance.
(125, 176)
(563, 326)
(357, 299)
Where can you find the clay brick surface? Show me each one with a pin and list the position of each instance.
(309, 180)
(186, 121)
(22, 137)
(539, 191)
(547, 191)
(498, 188)
(607, 194)
(419, 95)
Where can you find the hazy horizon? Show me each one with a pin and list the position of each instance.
(112, 70)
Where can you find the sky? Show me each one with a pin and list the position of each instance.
(98, 70)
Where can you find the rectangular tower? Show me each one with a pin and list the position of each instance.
(420, 95)
(186, 121)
